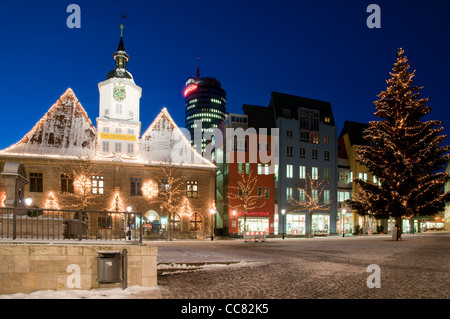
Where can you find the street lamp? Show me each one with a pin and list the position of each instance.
(343, 230)
(212, 211)
(283, 211)
(28, 201)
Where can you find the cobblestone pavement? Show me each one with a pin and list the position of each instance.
(418, 267)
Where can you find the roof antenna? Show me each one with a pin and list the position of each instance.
(198, 67)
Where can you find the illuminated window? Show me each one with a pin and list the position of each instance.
(315, 173)
(302, 172)
(289, 171)
(326, 174)
(163, 187)
(326, 196)
(195, 222)
(301, 195)
(97, 185)
(288, 193)
(192, 189)
(176, 222)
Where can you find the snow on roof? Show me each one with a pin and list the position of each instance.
(65, 130)
(164, 142)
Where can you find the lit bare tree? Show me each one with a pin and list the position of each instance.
(76, 183)
(170, 190)
(244, 196)
(310, 193)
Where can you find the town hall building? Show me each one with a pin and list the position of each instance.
(71, 164)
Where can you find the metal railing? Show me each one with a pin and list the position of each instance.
(62, 224)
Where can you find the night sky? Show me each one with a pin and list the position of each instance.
(316, 49)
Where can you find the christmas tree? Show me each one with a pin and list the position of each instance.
(404, 153)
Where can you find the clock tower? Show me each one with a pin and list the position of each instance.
(118, 124)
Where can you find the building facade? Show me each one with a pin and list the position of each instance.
(240, 173)
(205, 108)
(71, 164)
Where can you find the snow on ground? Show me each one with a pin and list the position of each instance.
(101, 293)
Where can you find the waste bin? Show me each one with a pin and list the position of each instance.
(108, 266)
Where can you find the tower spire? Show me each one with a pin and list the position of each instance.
(198, 68)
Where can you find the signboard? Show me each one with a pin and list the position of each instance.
(122, 137)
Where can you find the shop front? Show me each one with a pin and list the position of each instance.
(295, 224)
(252, 221)
(321, 224)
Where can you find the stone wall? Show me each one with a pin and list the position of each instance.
(28, 268)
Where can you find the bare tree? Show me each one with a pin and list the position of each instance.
(76, 183)
(244, 195)
(170, 190)
(310, 193)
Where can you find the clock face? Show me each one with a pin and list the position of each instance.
(119, 93)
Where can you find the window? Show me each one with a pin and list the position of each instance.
(326, 139)
(289, 151)
(302, 172)
(130, 148)
(67, 183)
(260, 191)
(36, 182)
(315, 137)
(326, 196)
(163, 187)
(105, 147)
(363, 176)
(104, 221)
(266, 169)
(195, 222)
(326, 174)
(247, 168)
(288, 193)
(239, 168)
(301, 195)
(315, 173)
(286, 112)
(176, 222)
(289, 171)
(304, 136)
(302, 152)
(192, 189)
(314, 121)
(315, 154)
(118, 148)
(97, 185)
(303, 117)
(135, 186)
(260, 169)
(289, 133)
(118, 108)
(266, 192)
(346, 176)
(315, 195)
(343, 196)
(326, 155)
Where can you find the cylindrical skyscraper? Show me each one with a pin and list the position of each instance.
(205, 102)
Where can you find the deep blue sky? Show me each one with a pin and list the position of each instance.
(317, 49)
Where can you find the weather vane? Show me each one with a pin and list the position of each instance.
(122, 17)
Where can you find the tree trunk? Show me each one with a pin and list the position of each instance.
(310, 224)
(398, 226)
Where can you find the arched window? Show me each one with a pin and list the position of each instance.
(195, 222)
(104, 221)
(176, 222)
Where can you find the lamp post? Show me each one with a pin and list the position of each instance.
(126, 224)
(283, 211)
(212, 211)
(343, 229)
(234, 216)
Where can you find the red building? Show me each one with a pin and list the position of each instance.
(246, 190)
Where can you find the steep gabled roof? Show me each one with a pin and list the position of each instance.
(64, 130)
(355, 131)
(164, 142)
